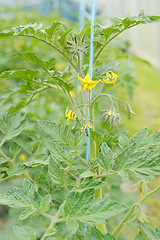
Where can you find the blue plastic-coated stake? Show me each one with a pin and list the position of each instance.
(90, 69)
(81, 14)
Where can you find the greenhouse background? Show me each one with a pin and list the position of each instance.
(141, 37)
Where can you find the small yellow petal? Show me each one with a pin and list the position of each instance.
(94, 82)
(87, 78)
(106, 81)
(81, 79)
(66, 110)
(108, 74)
(86, 87)
(68, 120)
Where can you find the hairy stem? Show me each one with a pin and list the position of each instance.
(3, 141)
(79, 156)
(108, 41)
(55, 219)
(93, 154)
(57, 49)
(132, 210)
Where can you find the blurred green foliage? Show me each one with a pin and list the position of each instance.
(134, 77)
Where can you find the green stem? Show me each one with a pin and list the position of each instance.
(125, 219)
(109, 40)
(80, 105)
(93, 149)
(46, 215)
(57, 49)
(93, 154)
(54, 220)
(5, 157)
(101, 95)
(3, 141)
(132, 210)
(105, 175)
(79, 156)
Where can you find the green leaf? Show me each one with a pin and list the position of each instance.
(52, 29)
(59, 81)
(140, 157)
(37, 163)
(2, 160)
(7, 94)
(139, 137)
(105, 158)
(24, 144)
(145, 163)
(25, 214)
(83, 207)
(59, 153)
(95, 234)
(25, 30)
(109, 31)
(78, 236)
(72, 225)
(32, 57)
(87, 174)
(56, 173)
(123, 141)
(51, 238)
(77, 138)
(50, 232)
(14, 148)
(89, 183)
(139, 236)
(56, 131)
(26, 74)
(158, 229)
(25, 197)
(46, 203)
(151, 234)
(101, 70)
(152, 140)
(16, 170)
(63, 36)
(124, 175)
(12, 124)
(24, 233)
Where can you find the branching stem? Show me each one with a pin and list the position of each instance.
(132, 210)
(55, 219)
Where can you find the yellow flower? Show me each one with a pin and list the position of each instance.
(87, 83)
(72, 93)
(111, 77)
(80, 88)
(59, 66)
(111, 113)
(22, 157)
(70, 115)
(83, 128)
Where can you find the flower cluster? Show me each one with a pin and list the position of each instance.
(75, 47)
(70, 115)
(111, 116)
(111, 77)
